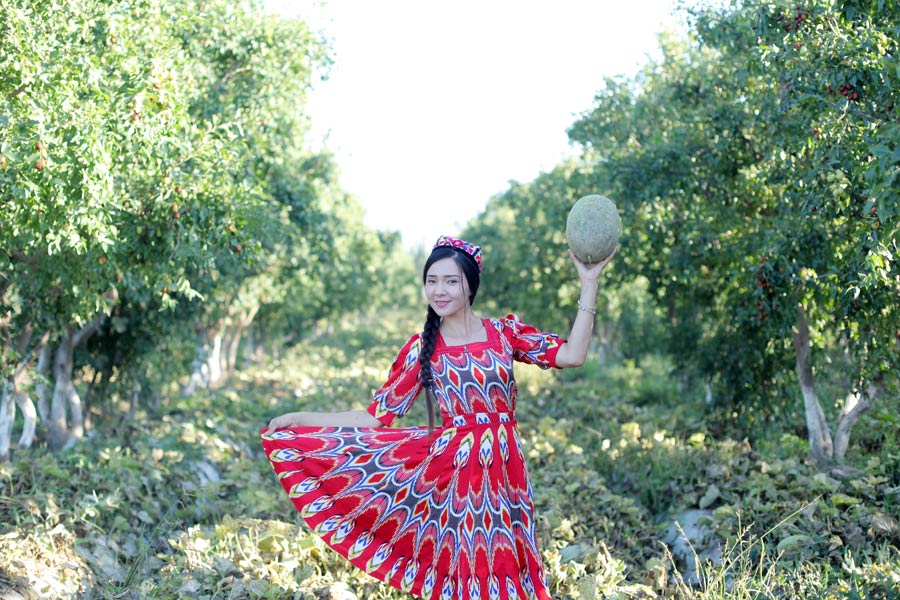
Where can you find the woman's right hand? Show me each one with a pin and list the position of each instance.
(347, 418)
(286, 421)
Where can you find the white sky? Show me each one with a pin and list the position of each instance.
(433, 107)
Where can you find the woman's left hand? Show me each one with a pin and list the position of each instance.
(589, 272)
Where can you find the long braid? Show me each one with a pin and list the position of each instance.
(429, 339)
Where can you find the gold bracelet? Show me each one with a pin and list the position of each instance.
(590, 309)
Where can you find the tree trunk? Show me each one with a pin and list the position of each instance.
(41, 387)
(260, 341)
(12, 395)
(29, 424)
(243, 322)
(62, 378)
(250, 346)
(820, 444)
(602, 355)
(89, 398)
(7, 415)
(199, 372)
(214, 359)
(229, 331)
(65, 396)
(855, 404)
(233, 345)
(133, 402)
(612, 337)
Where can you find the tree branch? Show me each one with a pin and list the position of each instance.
(87, 331)
(30, 356)
(17, 91)
(820, 443)
(855, 404)
(865, 117)
(28, 260)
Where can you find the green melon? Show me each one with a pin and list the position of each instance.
(593, 228)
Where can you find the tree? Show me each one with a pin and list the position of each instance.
(137, 147)
(760, 160)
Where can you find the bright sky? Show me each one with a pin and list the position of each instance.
(432, 107)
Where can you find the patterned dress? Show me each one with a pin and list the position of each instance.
(446, 516)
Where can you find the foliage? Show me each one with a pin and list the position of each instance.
(755, 168)
(158, 196)
(761, 188)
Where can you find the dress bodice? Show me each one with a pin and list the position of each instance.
(475, 377)
(471, 378)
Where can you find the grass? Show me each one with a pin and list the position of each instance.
(184, 504)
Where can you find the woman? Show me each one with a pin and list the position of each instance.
(441, 512)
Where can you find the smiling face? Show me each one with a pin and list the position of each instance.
(446, 288)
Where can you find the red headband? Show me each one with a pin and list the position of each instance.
(467, 247)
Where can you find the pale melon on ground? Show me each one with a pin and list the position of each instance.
(593, 228)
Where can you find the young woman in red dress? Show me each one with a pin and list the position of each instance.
(442, 512)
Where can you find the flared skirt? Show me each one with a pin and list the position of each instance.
(442, 516)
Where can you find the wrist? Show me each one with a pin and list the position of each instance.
(588, 308)
(588, 296)
(589, 285)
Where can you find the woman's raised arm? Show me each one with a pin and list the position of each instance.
(574, 351)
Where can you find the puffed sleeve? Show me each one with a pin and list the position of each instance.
(395, 397)
(531, 345)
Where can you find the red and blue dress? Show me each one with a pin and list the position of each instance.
(441, 516)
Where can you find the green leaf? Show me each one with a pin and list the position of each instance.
(843, 500)
(794, 542)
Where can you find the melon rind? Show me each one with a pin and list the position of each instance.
(593, 227)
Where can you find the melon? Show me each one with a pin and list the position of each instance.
(593, 227)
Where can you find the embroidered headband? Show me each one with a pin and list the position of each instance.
(467, 247)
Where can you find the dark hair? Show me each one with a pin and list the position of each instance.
(469, 268)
